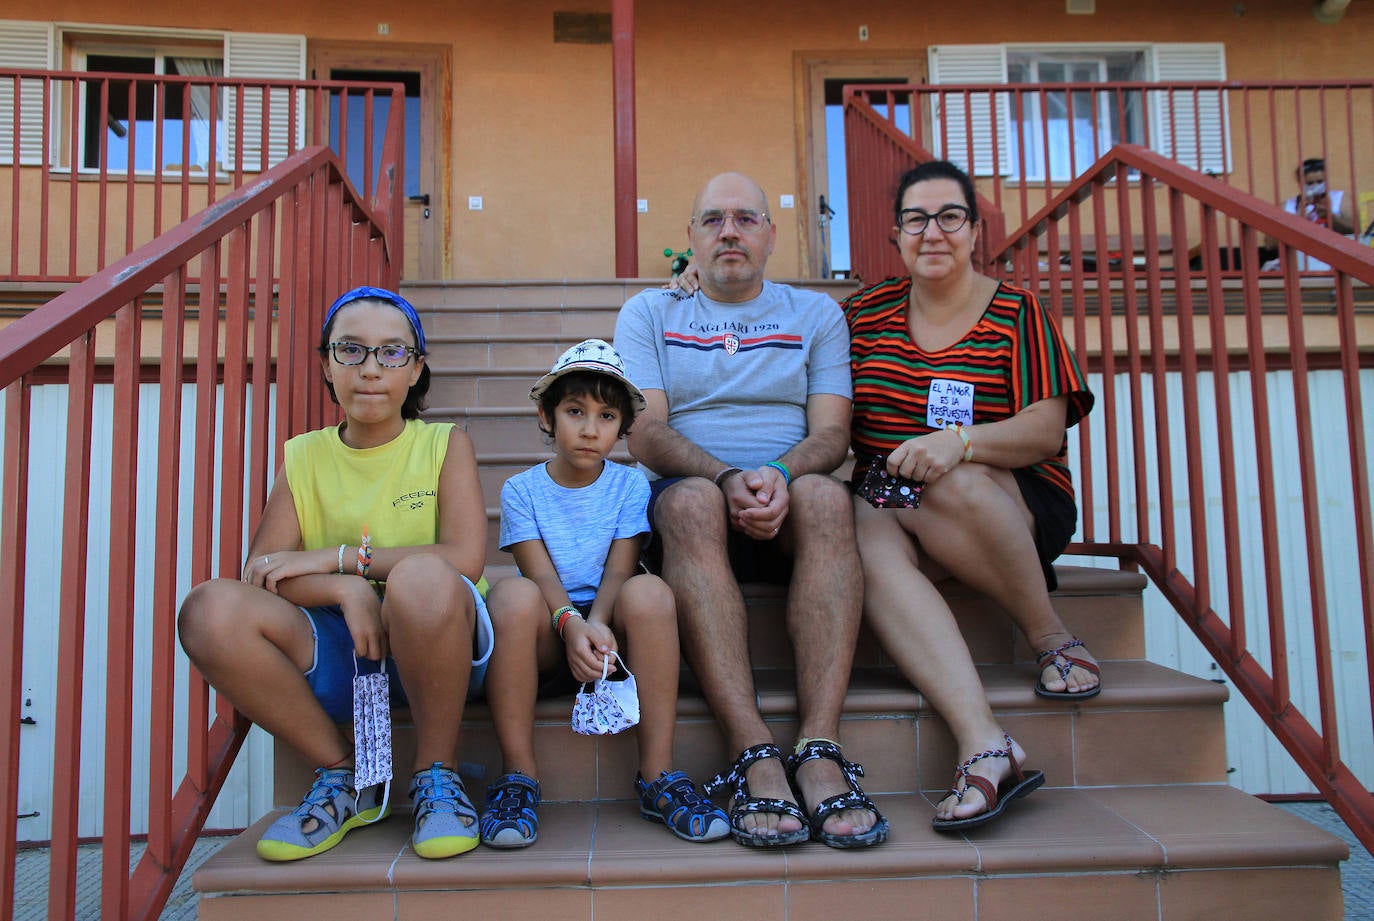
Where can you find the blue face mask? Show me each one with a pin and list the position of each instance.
(1314, 189)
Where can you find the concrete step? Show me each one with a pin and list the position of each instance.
(1143, 853)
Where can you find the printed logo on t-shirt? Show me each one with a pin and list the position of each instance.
(413, 500)
(730, 341)
(950, 403)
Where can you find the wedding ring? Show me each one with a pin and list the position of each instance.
(266, 560)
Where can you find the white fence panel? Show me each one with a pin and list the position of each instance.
(1259, 764)
(247, 793)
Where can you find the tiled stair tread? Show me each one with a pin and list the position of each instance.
(1127, 683)
(1139, 829)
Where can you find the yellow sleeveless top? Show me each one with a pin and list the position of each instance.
(392, 488)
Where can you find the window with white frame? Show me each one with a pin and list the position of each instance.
(121, 114)
(1055, 131)
(1061, 131)
(127, 115)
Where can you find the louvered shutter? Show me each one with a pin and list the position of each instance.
(269, 57)
(1195, 134)
(26, 46)
(970, 120)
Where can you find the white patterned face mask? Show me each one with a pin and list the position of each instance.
(371, 728)
(610, 706)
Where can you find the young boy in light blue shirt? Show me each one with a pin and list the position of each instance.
(575, 525)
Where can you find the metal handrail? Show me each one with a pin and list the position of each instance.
(267, 257)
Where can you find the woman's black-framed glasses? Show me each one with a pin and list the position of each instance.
(949, 219)
(388, 356)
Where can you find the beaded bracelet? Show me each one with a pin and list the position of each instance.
(781, 468)
(364, 554)
(560, 618)
(342, 548)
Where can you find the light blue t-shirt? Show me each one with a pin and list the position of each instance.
(737, 376)
(577, 526)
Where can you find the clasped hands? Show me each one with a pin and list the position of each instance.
(757, 502)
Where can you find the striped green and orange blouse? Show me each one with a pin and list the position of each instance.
(1015, 355)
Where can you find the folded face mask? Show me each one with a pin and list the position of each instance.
(371, 728)
(881, 489)
(610, 706)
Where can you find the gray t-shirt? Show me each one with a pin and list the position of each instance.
(737, 376)
(577, 526)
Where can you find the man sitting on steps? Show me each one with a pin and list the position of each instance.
(748, 392)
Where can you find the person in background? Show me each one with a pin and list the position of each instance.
(1330, 208)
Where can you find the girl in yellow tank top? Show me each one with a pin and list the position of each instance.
(370, 546)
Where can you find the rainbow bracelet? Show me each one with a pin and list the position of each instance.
(365, 554)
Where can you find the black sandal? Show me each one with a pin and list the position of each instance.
(742, 804)
(854, 799)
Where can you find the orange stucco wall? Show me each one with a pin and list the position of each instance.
(531, 126)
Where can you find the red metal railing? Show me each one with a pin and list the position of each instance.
(1222, 333)
(241, 289)
(1169, 327)
(84, 182)
(1024, 143)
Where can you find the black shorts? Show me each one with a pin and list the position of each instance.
(750, 560)
(1056, 518)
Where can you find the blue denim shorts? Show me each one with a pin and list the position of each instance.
(331, 674)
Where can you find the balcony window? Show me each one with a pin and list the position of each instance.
(126, 114)
(1060, 131)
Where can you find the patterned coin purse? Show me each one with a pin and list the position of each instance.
(881, 489)
(371, 728)
(610, 706)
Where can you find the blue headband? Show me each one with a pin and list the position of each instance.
(381, 294)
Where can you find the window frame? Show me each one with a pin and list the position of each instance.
(1203, 124)
(79, 45)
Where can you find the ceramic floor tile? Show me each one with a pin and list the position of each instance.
(762, 901)
(1098, 897)
(1213, 825)
(889, 899)
(334, 906)
(1253, 895)
(565, 904)
(1087, 836)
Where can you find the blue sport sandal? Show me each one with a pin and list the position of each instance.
(683, 806)
(510, 819)
(330, 810)
(445, 822)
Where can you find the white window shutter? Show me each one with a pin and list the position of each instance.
(26, 46)
(1196, 133)
(971, 117)
(269, 57)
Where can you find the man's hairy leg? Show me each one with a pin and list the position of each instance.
(824, 607)
(690, 519)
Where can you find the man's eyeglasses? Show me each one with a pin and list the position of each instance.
(746, 221)
(949, 219)
(355, 353)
